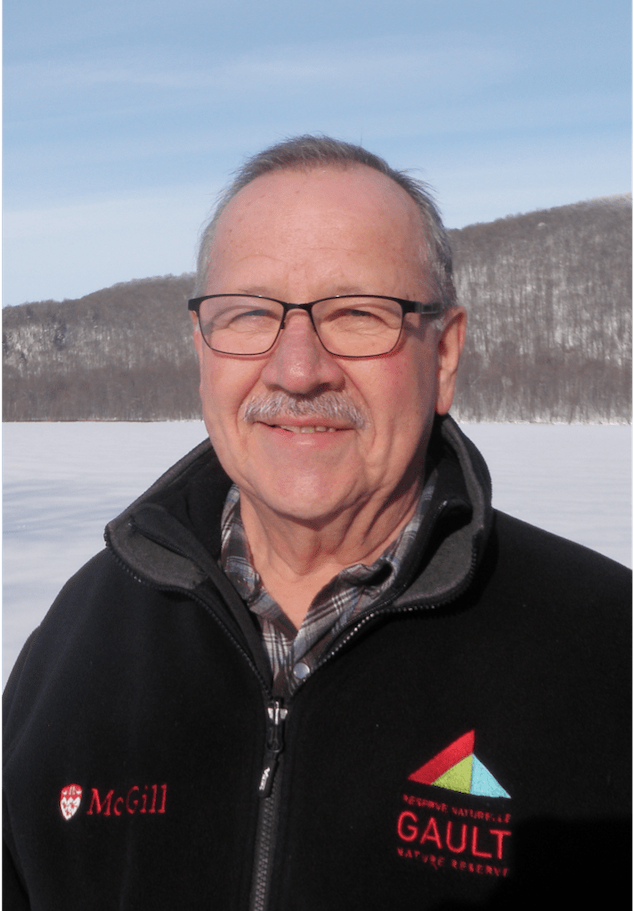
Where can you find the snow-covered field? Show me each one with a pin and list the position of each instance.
(63, 482)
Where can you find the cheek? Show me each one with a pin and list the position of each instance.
(406, 390)
(224, 386)
(408, 404)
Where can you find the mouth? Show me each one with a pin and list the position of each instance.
(294, 428)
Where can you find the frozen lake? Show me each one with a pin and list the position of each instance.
(63, 482)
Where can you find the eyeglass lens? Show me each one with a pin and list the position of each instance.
(352, 326)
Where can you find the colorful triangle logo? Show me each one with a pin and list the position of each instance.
(458, 769)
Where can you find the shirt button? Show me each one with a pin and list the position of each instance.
(301, 670)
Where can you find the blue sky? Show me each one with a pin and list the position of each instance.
(123, 120)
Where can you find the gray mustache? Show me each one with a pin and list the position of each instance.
(328, 405)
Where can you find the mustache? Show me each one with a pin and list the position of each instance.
(330, 405)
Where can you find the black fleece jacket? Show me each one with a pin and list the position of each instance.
(464, 744)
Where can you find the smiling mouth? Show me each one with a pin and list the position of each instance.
(307, 429)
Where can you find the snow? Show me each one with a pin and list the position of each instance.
(63, 482)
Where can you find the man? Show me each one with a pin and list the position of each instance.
(313, 669)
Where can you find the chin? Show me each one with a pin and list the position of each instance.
(309, 513)
(313, 510)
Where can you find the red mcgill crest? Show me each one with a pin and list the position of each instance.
(69, 800)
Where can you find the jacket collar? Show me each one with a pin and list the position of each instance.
(170, 536)
(451, 540)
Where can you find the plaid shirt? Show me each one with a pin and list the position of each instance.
(295, 653)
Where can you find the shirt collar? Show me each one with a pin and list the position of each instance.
(236, 561)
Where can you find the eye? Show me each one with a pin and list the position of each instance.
(356, 319)
(240, 318)
(363, 316)
(236, 315)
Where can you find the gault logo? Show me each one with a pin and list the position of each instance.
(456, 768)
(69, 800)
(449, 830)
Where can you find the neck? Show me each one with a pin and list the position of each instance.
(295, 559)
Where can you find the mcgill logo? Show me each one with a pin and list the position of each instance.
(148, 799)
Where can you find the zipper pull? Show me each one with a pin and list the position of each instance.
(274, 745)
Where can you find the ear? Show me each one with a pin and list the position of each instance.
(450, 345)
(198, 345)
(198, 338)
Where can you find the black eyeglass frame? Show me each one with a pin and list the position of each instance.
(433, 308)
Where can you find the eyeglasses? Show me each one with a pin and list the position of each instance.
(349, 325)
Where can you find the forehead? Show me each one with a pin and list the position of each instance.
(321, 216)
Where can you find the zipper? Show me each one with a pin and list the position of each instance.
(276, 716)
(269, 793)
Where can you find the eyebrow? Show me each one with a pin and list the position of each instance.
(339, 291)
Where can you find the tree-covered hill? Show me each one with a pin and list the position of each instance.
(549, 296)
(549, 335)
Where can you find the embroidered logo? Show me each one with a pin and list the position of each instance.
(69, 800)
(467, 829)
(147, 799)
(456, 768)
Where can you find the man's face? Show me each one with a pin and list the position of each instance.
(300, 236)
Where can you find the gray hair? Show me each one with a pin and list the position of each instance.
(306, 152)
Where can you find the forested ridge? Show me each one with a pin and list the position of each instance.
(548, 296)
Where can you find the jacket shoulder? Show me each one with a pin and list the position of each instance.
(518, 540)
(77, 608)
(557, 585)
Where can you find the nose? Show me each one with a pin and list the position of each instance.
(299, 363)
